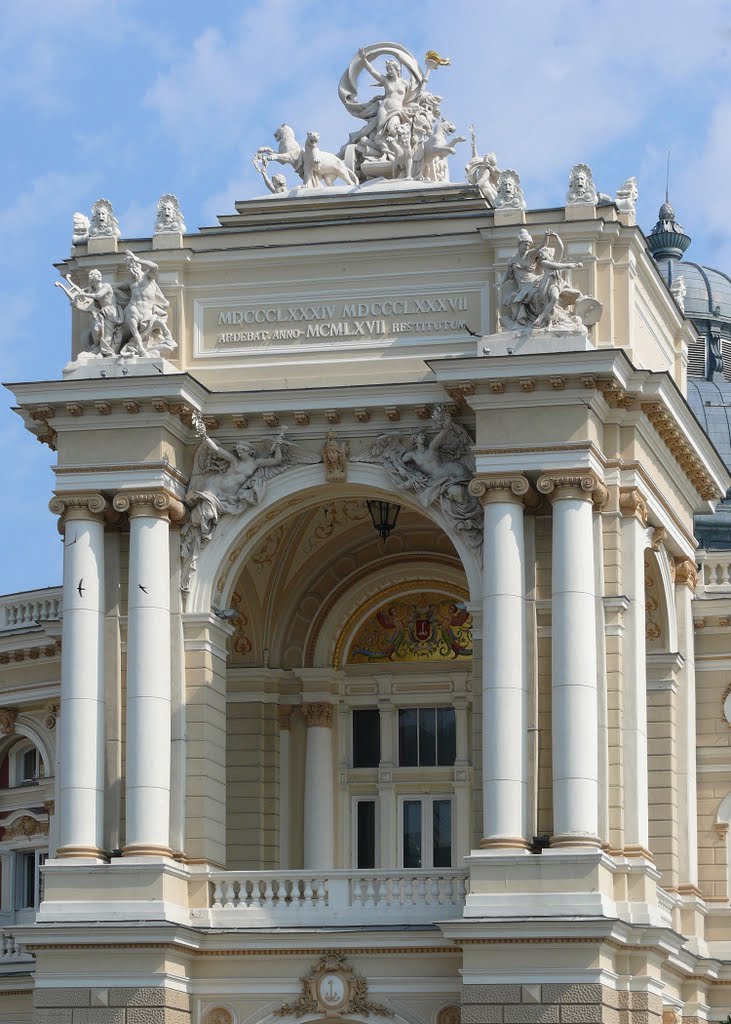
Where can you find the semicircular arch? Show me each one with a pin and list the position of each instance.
(220, 562)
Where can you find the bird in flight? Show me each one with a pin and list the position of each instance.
(143, 589)
(81, 588)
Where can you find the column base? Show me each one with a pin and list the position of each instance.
(145, 850)
(577, 842)
(81, 852)
(504, 843)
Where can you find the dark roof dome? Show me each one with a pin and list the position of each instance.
(711, 405)
(667, 240)
(707, 291)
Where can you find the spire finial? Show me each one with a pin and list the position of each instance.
(667, 179)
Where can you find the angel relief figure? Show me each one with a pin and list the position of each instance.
(224, 482)
(436, 469)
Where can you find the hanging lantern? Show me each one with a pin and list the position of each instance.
(384, 515)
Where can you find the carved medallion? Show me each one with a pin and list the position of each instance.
(333, 988)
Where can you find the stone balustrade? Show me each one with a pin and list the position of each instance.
(261, 899)
(28, 608)
(715, 572)
(11, 951)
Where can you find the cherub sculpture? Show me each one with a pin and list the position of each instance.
(227, 482)
(169, 218)
(103, 223)
(437, 469)
(277, 184)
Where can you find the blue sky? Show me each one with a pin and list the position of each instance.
(132, 99)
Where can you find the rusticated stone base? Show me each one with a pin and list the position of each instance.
(110, 1006)
(557, 1004)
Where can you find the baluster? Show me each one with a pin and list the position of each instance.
(409, 891)
(229, 895)
(437, 890)
(357, 892)
(217, 900)
(268, 893)
(400, 890)
(370, 900)
(725, 578)
(307, 894)
(319, 900)
(421, 890)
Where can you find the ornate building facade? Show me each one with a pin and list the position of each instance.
(386, 681)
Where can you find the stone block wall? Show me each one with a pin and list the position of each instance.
(557, 1004)
(110, 1006)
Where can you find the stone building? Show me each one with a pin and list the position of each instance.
(386, 681)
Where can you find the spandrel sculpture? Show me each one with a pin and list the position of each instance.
(534, 292)
(227, 482)
(128, 319)
(435, 467)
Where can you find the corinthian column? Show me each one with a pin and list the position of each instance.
(575, 712)
(319, 838)
(504, 680)
(81, 723)
(148, 746)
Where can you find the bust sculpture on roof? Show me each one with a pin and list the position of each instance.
(103, 222)
(169, 219)
(582, 190)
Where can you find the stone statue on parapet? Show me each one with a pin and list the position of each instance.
(129, 319)
(535, 294)
(404, 136)
(228, 482)
(509, 192)
(482, 171)
(626, 200)
(169, 218)
(103, 223)
(436, 468)
(277, 184)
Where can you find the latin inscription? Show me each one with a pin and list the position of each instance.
(304, 323)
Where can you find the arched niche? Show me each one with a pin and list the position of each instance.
(236, 537)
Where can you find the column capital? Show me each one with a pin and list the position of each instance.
(158, 503)
(579, 484)
(319, 713)
(686, 573)
(78, 506)
(489, 487)
(632, 505)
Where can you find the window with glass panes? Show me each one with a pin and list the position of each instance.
(426, 832)
(426, 737)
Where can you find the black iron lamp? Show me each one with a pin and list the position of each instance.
(384, 515)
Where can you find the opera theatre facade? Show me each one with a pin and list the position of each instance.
(388, 681)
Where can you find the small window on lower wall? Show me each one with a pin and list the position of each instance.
(426, 832)
(365, 834)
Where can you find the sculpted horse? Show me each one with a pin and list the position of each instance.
(289, 151)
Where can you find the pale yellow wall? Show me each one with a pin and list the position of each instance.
(252, 793)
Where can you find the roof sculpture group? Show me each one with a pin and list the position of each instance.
(403, 137)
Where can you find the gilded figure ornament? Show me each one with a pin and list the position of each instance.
(26, 827)
(419, 627)
(449, 1015)
(319, 713)
(219, 1015)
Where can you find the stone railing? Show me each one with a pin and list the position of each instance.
(26, 609)
(715, 572)
(254, 899)
(11, 951)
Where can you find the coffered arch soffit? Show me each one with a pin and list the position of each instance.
(307, 573)
(237, 537)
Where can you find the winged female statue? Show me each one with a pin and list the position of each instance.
(227, 482)
(436, 469)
